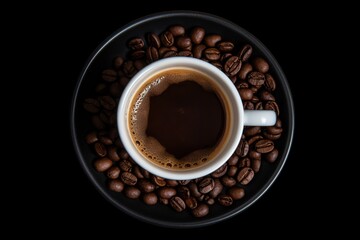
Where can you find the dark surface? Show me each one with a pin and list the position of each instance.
(289, 198)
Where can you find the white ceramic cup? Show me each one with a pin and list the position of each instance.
(238, 117)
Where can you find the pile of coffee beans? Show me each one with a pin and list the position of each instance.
(256, 86)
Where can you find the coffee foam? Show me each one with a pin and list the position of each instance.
(148, 146)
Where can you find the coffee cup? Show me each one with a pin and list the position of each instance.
(182, 118)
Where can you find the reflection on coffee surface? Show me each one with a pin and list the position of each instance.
(177, 119)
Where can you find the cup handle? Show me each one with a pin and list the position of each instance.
(259, 118)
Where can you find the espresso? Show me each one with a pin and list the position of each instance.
(178, 119)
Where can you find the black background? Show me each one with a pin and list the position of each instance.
(289, 32)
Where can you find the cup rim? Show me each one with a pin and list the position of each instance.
(229, 91)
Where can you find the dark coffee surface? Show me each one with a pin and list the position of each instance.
(186, 118)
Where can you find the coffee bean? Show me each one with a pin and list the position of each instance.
(124, 81)
(251, 131)
(116, 185)
(183, 192)
(137, 172)
(169, 53)
(132, 192)
(270, 83)
(185, 53)
(171, 183)
(264, 146)
(210, 201)
(256, 164)
(245, 94)
(191, 202)
(105, 140)
(272, 105)
(256, 78)
(228, 181)
(225, 46)
(91, 137)
(212, 54)
(115, 89)
(97, 122)
(206, 185)
(109, 75)
(245, 52)
(232, 171)
(236, 193)
(183, 182)
(177, 204)
(242, 149)
(107, 102)
(129, 68)
(128, 178)
(139, 64)
(102, 164)
(150, 199)
(254, 139)
(136, 43)
(272, 156)
(233, 160)
(100, 149)
(113, 172)
(218, 187)
(274, 130)
(242, 84)
(225, 200)
(112, 153)
(245, 70)
(177, 30)
(194, 190)
(220, 171)
(272, 136)
(248, 105)
(125, 165)
(167, 39)
(266, 96)
(117, 62)
(166, 192)
(259, 106)
(197, 35)
(201, 210)
(137, 54)
(145, 185)
(91, 105)
(245, 175)
(183, 42)
(164, 201)
(198, 50)
(152, 54)
(232, 65)
(260, 65)
(244, 162)
(154, 40)
(254, 154)
(212, 39)
(101, 88)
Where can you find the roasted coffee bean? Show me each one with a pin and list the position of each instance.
(118, 143)
(242, 84)
(101, 88)
(116, 185)
(136, 43)
(218, 187)
(118, 62)
(254, 139)
(154, 40)
(272, 105)
(139, 64)
(266, 96)
(245, 70)
(113, 172)
(245, 175)
(91, 137)
(249, 105)
(261, 65)
(232, 170)
(152, 54)
(105, 140)
(183, 42)
(159, 181)
(129, 68)
(254, 89)
(167, 39)
(185, 53)
(270, 83)
(244, 162)
(183, 182)
(150, 198)
(245, 52)
(91, 105)
(125, 165)
(236, 193)
(225, 200)
(109, 75)
(128, 178)
(177, 30)
(259, 106)
(145, 173)
(272, 136)
(212, 39)
(191, 202)
(264, 146)
(274, 130)
(225, 56)
(255, 99)
(107, 102)
(212, 54)
(272, 156)
(198, 50)
(210, 201)
(228, 181)
(206, 185)
(278, 123)
(256, 78)
(242, 149)
(194, 190)
(115, 89)
(123, 154)
(137, 54)
(132, 192)
(166, 192)
(137, 172)
(97, 122)
(169, 53)
(220, 171)
(201, 198)
(251, 131)
(124, 81)
(232, 65)
(183, 192)
(254, 154)
(163, 50)
(164, 201)
(145, 185)
(225, 46)
(102, 164)
(177, 204)
(256, 164)
(233, 160)
(218, 65)
(201, 210)
(171, 183)
(245, 94)
(112, 153)
(104, 116)
(100, 149)
(197, 35)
